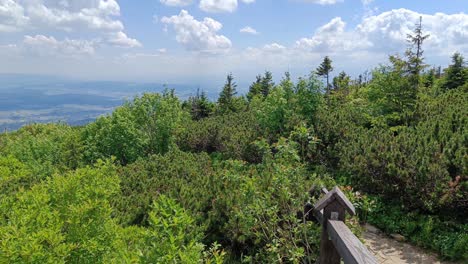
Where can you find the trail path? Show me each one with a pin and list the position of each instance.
(389, 251)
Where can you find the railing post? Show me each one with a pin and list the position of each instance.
(334, 205)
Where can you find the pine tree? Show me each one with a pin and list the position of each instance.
(226, 97)
(456, 74)
(324, 71)
(415, 51)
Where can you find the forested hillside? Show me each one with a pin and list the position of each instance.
(162, 180)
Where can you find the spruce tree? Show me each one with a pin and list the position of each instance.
(200, 106)
(226, 97)
(456, 74)
(415, 51)
(324, 71)
(267, 83)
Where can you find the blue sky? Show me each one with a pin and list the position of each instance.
(187, 41)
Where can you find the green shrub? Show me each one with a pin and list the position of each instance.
(44, 148)
(447, 237)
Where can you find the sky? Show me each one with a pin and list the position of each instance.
(200, 41)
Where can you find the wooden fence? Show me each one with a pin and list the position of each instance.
(337, 241)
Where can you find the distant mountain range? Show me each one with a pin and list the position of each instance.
(28, 99)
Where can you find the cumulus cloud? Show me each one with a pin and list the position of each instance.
(41, 45)
(200, 36)
(274, 48)
(218, 6)
(95, 16)
(331, 37)
(121, 39)
(65, 14)
(248, 30)
(176, 2)
(387, 33)
(12, 17)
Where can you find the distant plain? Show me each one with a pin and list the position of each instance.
(26, 99)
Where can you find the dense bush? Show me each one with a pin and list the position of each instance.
(423, 164)
(448, 238)
(249, 209)
(44, 148)
(229, 135)
(144, 126)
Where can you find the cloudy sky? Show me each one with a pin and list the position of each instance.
(186, 41)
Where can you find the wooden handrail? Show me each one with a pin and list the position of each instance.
(349, 247)
(337, 241)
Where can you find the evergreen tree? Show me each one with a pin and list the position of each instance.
(267, 83)
(324, 71)
(429, 78)
(415, 51)
(200, 106)
(226, 97)
(456, 74)
(255, 88)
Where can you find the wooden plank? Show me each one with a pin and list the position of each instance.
(324, 190)
(324, 201)
(344, 200)
(348, 245)
(328, 253)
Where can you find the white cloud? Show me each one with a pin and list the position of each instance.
(386, 33)
(41, 45)
(218, 6)
(323, 2)
(133, 56)
(274, 48)
(176, 2)
(367, 2)
(12, 16)
(66, 15)
(84, 16)
(120, 39)
(197, 35)
(248, 30)
(331, 37)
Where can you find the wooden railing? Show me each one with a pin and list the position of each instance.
(337, 241)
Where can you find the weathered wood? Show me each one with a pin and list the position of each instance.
(348, 245)
(328, 252)
(344, 200)
(335, 195)
(330, 211)
(324, 190)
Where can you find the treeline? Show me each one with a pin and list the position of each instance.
(163, 180)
